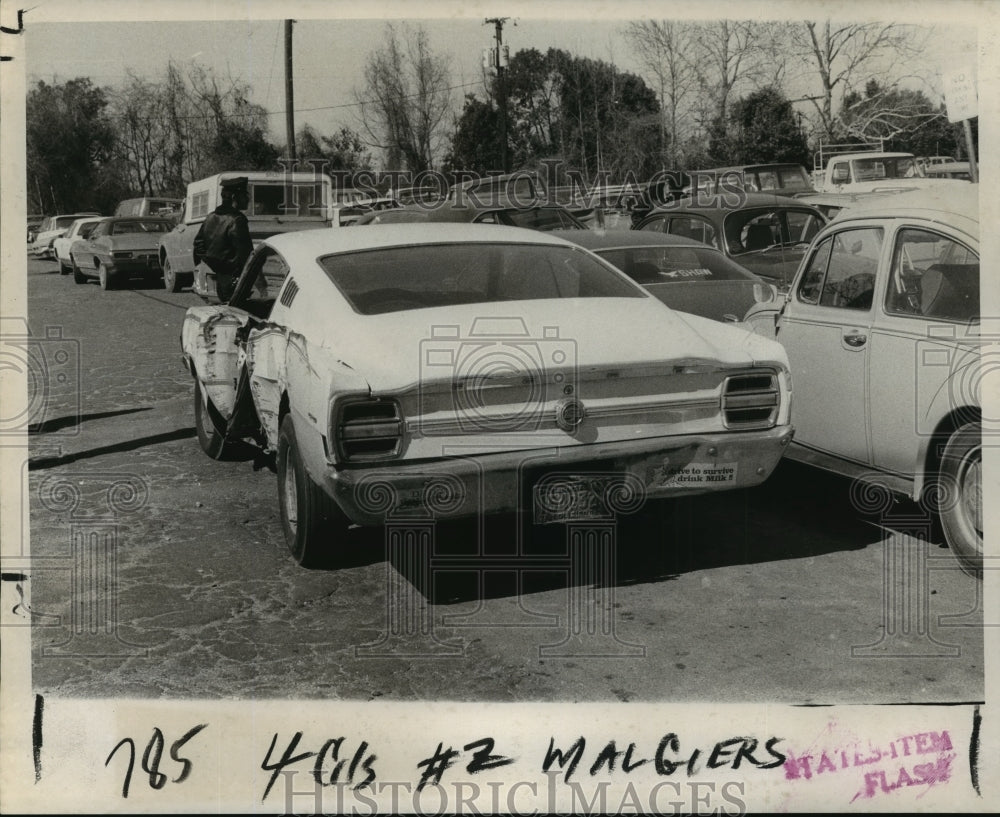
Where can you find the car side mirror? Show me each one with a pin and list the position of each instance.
(856, 247)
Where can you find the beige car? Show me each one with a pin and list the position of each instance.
(882, 330)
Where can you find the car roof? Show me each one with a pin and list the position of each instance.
(956, 204)
(877, 154)
(310, 244)
(620, 239)
(721, 202)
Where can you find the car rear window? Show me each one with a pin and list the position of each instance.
(126, 227)
(658, 265)
(397, 279)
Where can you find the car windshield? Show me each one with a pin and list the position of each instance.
(128, 227)
(62, 221)
(759, 230)
(403, 278)
(669, 264)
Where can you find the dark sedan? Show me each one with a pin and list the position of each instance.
(684, 274)
(119, 248)
(767, 234)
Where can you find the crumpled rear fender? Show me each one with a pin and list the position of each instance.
(208, 341)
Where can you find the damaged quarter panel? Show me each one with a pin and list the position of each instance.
(209, 339)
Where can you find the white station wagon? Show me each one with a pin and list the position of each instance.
(455, 370)
(882, 329)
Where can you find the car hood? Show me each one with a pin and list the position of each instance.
(591, 333)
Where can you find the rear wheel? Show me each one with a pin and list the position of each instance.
(962, 496)
(64, 269)
(313, 524)
(170, 280)
(207, 422)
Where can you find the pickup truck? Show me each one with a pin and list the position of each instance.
(280, 202)
(873, 171)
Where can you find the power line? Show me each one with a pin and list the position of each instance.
(301, 110)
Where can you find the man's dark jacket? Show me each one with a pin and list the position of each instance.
(223, 241)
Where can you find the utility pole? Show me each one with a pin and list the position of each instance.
(289, 95)
(500, 63)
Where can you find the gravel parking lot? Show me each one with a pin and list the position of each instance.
(157, 572)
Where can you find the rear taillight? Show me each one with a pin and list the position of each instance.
(368, 430)
(751, 400)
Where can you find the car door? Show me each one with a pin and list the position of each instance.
(86, 253)
(825, 329)
(930, 299)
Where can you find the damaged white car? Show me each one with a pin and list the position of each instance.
(453, 370)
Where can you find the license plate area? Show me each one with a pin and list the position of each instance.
(594, 492)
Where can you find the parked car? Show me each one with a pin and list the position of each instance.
(280, 202)
(875, 171)
(683, 273)
(118, 249)
(765, 233)
(510, 213)
(882, 332)
(34, 222)
(51, 229)
(454, 369)
(830, 204)
(950, 170)
(782, 178)
(77, 231)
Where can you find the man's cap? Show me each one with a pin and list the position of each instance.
(234, 184)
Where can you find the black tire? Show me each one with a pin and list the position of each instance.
(171, 282)
(962, 496)
(207, 422)
(63, 269)
(312, 522)
(78, 276)
(107, 279)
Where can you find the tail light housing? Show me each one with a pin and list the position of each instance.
(367, 429)
(751, 400)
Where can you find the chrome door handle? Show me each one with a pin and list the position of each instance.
(855, 339)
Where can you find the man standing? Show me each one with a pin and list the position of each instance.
(223, 242)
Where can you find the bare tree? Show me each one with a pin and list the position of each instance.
(842, 54)
(663, 49)
(405, 101)
(143, 137)
(729, 53)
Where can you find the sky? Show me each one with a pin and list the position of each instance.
(107, 41)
